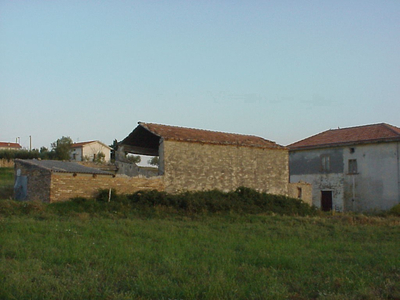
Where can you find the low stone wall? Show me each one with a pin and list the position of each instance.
(301, 190)
(5, 163)
(66, 185)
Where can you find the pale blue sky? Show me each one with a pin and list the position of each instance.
(283, 70)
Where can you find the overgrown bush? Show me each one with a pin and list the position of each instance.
(242, 200)
(395, 210)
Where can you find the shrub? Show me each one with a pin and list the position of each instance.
(243, 200)
(395, 210)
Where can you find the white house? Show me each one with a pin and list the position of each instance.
(350, 169)
(90, 151)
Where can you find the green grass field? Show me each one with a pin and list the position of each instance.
(88, 249)
(209, 257)
(6, 183)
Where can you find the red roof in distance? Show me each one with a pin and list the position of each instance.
(353, 135)
(81, 144)
(10, 145)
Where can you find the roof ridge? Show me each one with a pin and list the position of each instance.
(356, 134)
(391, 128)
(207, 130)
(354, 127)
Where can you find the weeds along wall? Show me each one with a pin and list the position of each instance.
(201, 166)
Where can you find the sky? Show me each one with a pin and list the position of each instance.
(283, 70)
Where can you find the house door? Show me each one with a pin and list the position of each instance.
(326, 200)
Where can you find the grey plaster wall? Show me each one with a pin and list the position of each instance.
(376, 184)
(309, 161)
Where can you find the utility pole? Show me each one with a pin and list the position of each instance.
(30, 143)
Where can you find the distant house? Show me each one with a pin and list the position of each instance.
(350, 169)
(10, 146)
(90, 151)
(195, 159)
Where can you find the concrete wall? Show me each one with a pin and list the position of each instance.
(376, 185)
(306, 166)
(197, 166)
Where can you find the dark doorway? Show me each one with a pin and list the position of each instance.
(326, 200)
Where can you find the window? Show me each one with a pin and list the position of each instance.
(299, 192)
(353, 166)
(325, 163)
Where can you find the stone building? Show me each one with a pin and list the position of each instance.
(189, 159)
(52, 181)
(194, 159)
(350, 169)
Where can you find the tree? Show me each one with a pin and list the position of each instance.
(154, 161)
(99, 157)
(62, 148)
(133, 158)
(114, 148)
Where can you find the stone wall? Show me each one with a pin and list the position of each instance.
(38, 183)
(65, 185)
(197, 166)
(301, 190)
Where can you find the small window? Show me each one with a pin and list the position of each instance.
(352, 150)
(325, 163)
(299, 192)
(353, 166)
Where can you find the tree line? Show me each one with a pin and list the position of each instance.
(60, 150)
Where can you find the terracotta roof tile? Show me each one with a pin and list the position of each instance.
(10, 145)
(209, 137)
(353, 135)
(80, 144)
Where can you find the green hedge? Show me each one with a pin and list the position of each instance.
(242, 200)
(26, 154)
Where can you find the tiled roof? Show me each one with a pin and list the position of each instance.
(62, 166)
(80, 144)
(346, 136)
(10, 145)
(209, 137)
(77, 145)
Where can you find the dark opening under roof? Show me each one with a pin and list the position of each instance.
(141, 141)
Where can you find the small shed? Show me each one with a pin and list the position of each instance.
(52, 180)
